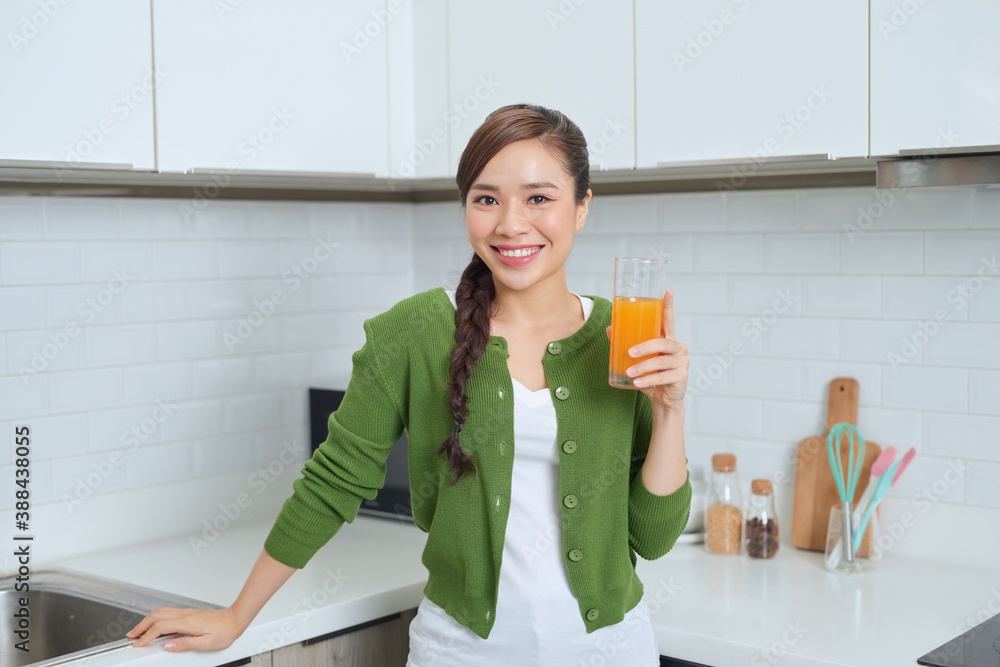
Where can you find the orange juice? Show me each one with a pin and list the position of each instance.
(633, 320)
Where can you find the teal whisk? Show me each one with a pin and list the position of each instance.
(846, 485)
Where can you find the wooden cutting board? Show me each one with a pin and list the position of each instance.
(815, 488)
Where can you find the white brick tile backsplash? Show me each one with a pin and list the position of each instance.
(944, 478)
(754, 295)
(850, 296)
(82, 304)
(340, 219)
(294, 292)
(985, 208)
(22, 308)
(20, 218)
(247, 259)
(968, 436)
(219, 220)
(835, 209)
(985, 392)
(392, 220)
(3, 354)
(147, 383)
(228, 453)
(127, 428)
(817, 376)
(22, 400)
(6, 442)
(728, 253)
(81, 218)
(791, 421)
(594, 253)
(621, 215)
(879, 341)
(193, 419)
(279, 219)
(274, 447)
(330, 367)
(965, 344)
(338, 292)
(908, 297)
(723, 415)
(764, 459)
(717, 333)
(765, 210)
(431, 254)
(691, 212)
(928, 208)
(73, 391)
(926, 387)
(142, 302)
(810, 338)
(296, 402)
(272, 371)
(184, 260)
(77, 478)
(985, 304)
(33, 263)
(880, 253)
(158, 464)
(183, 340)
(221, 377)
(802, 253)
(707, 375)
(255, 411)
(61, 435)
(220, 298)
(674, 248)
(241, 337)
(963, 252)
(886, 427)
(349, 327)
(439, 219)
(46, 350)
(305, 331)
(184, 218)
(698, 294)
(983, 484)
(382, 291)
(119, 345)
(766, 378)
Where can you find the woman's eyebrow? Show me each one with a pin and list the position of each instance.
(538, 185)
(485, 186)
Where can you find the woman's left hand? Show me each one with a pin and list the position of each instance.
(665, 387)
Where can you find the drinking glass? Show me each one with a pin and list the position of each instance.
(637, 312)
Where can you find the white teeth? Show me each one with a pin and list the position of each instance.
(520, 252)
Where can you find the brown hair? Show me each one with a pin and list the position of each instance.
(475, 293)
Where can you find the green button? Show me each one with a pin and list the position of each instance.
(562, 393)
(570, 501)
(575, 555)
(555, 348)
(592, 614)
(569, 446)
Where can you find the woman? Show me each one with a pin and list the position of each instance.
(520, 452)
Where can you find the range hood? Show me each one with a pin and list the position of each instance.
(940, 167)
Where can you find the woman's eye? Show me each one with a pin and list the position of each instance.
(539, 199)
(481, 199)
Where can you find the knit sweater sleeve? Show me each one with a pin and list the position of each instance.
(349, 466)
(654, 521)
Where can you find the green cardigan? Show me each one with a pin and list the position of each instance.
(399, 380)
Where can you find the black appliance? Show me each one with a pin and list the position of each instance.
(977, 647)
(393, 499)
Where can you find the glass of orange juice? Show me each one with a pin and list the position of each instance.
(636, 314)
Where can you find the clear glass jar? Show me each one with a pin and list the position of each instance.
(723, 508)
(761, 530)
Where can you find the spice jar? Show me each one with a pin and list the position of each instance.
(723, 513)
(762, 523)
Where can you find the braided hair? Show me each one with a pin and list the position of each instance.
(475, 293)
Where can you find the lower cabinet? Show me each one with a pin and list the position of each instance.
(383, 642)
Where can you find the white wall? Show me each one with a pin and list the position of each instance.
(854, 297)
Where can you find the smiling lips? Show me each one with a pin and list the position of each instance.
(516, 255)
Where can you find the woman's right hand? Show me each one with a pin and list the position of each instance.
(209, 629)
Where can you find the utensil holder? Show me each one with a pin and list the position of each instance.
(866, 556)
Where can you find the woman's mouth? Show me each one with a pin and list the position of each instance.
(518, 257)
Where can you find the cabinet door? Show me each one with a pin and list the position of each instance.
(935, 74)
(77, 82)
(383, 642)
(289, 86)
(731, 79)
(572, 56)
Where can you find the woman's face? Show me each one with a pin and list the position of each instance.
(524, 199)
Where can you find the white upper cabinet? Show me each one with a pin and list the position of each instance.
(935, 75)
(77, 82)
(289, 86)
(742, 79)
(572, 56)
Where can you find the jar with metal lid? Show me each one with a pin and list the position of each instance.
(723, 507)
(761, 530)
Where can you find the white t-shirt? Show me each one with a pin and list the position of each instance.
(538, 619)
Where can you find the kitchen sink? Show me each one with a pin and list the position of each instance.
(72, 615)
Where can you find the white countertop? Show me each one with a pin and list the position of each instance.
(716, 610)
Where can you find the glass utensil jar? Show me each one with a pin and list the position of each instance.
(636, 314)
(723, 507)
(761, 529)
